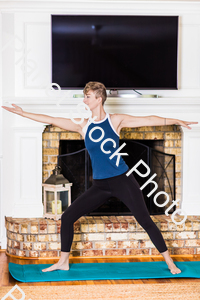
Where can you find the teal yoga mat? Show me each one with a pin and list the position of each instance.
(101, 271)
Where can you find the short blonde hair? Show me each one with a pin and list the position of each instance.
(98, 88)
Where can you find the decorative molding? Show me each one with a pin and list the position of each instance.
(110, 100)
(25, 77)
(165, 106)
(191, 164)
(116, 6)
(27, 172)
(29, 129)
(194, 129)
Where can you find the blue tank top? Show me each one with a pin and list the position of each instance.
(102, 165)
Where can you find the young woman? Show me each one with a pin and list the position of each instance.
(109, 177)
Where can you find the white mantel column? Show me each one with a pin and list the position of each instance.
(22, 169)
(190, 171)
(25, 166)
(28, 172)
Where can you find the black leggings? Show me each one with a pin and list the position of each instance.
(124, 188)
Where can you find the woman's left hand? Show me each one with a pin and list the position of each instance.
(185, 123)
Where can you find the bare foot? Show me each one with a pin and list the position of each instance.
(172, 267)
(57, 266)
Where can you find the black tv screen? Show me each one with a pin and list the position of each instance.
(123, 52)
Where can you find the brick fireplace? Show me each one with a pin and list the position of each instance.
(104, 235)
(28, 234)
(169, 137)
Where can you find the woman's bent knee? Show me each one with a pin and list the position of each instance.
(65, 217)
(68, 217)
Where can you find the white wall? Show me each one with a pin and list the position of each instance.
(27, 24)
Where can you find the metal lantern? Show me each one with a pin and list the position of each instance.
(57, 194)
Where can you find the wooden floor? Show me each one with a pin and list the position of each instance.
(6, 278)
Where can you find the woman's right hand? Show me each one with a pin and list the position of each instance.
(16, 109)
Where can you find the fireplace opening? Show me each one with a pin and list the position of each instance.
(76, 167)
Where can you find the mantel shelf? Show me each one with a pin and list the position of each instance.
(110, 101)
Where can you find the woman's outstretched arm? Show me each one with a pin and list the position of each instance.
(64, 123)
(132, 121)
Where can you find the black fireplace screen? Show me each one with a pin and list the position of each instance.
(76, 167)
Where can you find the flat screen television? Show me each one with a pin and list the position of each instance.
(123, 52)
